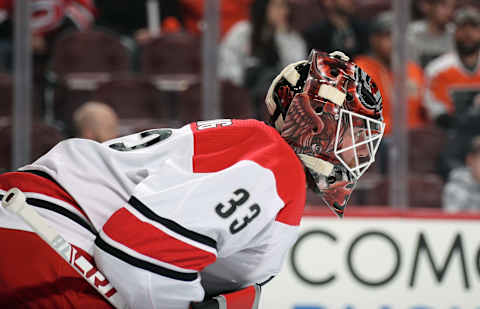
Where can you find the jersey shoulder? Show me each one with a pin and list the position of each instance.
(219, 144)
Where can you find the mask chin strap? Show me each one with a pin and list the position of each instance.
(318, 165)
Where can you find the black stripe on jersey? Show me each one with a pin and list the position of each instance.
(44, 175)
(171, 225)
(53, 207)
(102, 244)
(35, 202)
(60, 210)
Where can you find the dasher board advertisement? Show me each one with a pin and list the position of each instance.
(380, 259)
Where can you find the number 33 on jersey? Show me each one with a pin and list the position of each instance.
(236, 226)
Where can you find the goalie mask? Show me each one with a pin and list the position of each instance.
(330, 112)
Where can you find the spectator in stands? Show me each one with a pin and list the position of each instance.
(432, 36)
(265, 41)
(49, 19)
(462, 191)
(453, 80)
(96, 121)
(378, 65)
(458, 141)
(340, 30)
(253, 51)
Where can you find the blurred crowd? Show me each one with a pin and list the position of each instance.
(104, 68)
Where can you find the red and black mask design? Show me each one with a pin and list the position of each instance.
(333, 122)
(305, 131)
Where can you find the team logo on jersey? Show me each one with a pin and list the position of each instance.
(141, 140)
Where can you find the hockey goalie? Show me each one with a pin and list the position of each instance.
(196, 217)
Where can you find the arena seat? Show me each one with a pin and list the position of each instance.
(188, 104)
(171, 53)
(235, 102)
(81, 60)
(72, 90)
(6, 93)
(425, 145)
(43, 138)
(424, 189)
(132, 96)
(95, 50)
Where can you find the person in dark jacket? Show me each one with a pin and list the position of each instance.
(340, 30)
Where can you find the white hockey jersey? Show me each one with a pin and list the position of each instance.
(210, 207)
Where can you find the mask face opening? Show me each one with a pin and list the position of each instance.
(357, 141)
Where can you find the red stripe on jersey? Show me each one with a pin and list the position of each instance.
(144, 238)
(220, 147)
(28, 182)
(35, 276)
(242, 299)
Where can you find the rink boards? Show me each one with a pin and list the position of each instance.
(381, 259)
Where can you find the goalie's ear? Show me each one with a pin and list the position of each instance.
(283, 89)
(246, 298)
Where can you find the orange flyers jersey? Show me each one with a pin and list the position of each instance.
(451, 88)
(383, 77)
